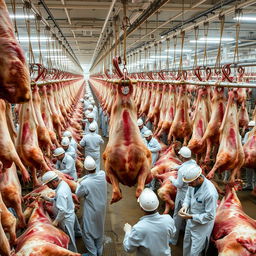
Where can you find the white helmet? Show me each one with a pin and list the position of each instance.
(82, 100)
(90, 106)
(65, 141)
(147, 133)
(185, 152)
(67, 134)
(87, 112)
(139, 122)
(90, 115)
(49, 176)
(148, 200)
(191, 173)
(89, 163)
(251, 123)
(92, 127)
(58, 151)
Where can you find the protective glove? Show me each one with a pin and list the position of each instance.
(185, 215)
(183, 210)
(127, 227)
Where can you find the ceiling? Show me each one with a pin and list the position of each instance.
(84, 26)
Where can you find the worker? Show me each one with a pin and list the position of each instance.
(93, 189)
(142, 127)
(90, 107)
(63, 206)
(73, 142)
(91, 143)
(150, 236)
(65, 163)
(86, 103)
(90, 119)
(105, 120)
(199, 209)
(182, 187)
(250, 172)
(153, 145)
(95, 110)
(65, 143)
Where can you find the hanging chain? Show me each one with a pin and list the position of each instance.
(38, 32)
(116, 31)
(155, 59)
(174, 52)
(206, 29)
(196, 30)
(238, 14)
(160, 56)
(182, 33)
(168, 53)
(13, 4)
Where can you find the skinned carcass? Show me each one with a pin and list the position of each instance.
(126, 157)
(8, 153)
(181, 126)
(231, 154)
(250, 150)
(243, 117)
(14, 74)
(5, 249)
(41, 238)
(234, 232)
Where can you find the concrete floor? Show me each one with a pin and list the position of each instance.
(127, 210)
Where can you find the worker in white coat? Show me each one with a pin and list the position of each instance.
(63, 206)
(91, 143)
(142, 127)
(90, 120)
(65, 143)
(182, 187)
(199, 209)
(150, 236)
(95, 110)
(153, 145)
(250, 172)
(73, 142)
(105, 120)
(93, 189)
(65, 163)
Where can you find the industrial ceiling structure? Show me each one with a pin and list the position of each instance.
(88, 29)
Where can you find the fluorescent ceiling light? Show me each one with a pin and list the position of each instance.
(178, 50)
(47, 50)
(244, 18)
(21, 16)
(34, 39)
(158, 57)
(215, 40)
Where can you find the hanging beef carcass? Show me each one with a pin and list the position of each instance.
(8, 153)
(14, 74)
(27, 143)
(200, 121)
(10, 189)
(126, 157)
(250, 149)
(181, 126)
(243, 117)
(41, 238)
(145, 100)
(5, 249)
(234, 232)
(44, 138)
(211, 135)
(230, 154)
(10, 124)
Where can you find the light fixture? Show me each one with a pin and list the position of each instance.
(158, 57)
(47, 50)
(214, 40)
(245, 18)
(34, 39)
(21, 16)
(178, 50)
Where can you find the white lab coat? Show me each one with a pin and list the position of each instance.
(95, 112)
(73, 143)
(94, 190)
(202, 205)
(86, 104)
(64, 212)
(154, 147)
(105, 125)
(86, 128)
(67, 166)
(71, 151)
(91, 143)
(182, 188)
(142, 131)
(150, 236)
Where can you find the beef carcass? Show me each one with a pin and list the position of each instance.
(47, 116)
(10, 189)
(8, 153)
(234, 232)
(5, 249)
(27, 143)
(200, 121)
(211, 135)
(10, 124)
(243, 117)
(41, 238)
(250, 149)
(145, 100)
(126, 157)
(44, 138)
(14, 74)
(230, 154)
(181, 126)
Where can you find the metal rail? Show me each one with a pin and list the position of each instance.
(53, 81)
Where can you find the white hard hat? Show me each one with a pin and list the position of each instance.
(92, 127)
(185, 152)
(139, 122)
(147, 133)
(67, 134)
(191, 173)
(87, 112)
(90, 115)
(148, 200)
(49, 176)
(81, 100)
(90, 106)
(65, 141)
(89, 163)
(58, 151)
(251, 123)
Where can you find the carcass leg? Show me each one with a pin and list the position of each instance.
(18, 210)
(217, 165)
(142, 177)
(34, 178)
(24, 172)
(208, 151)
